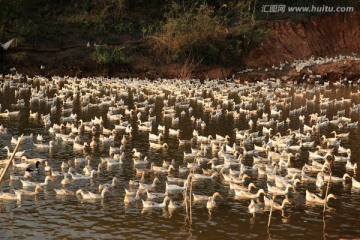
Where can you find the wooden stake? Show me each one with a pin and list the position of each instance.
(11, 158)
(190, 196)
(327, 189)
(271, 209)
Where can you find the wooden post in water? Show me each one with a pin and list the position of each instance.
(271, 209)
(327, 189)
(186, 202)
(190, 197)
(11, 158)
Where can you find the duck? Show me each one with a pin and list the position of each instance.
(99, 196)
(7, 113)
(150, 204)
(47, 167)
(245, 194)
(27, 175)
(11, 196)
(18, 154)
(134, 183)
(43, 146)
(152, 196)
(173, 187)
(198, 176)
(66, 180)
(275, 206)
(143, 186)
(82, 177)
(234, 186)
(278, 191)
(109, 185)
(313, 198)
(79, 147)
(158, 145)
(232, 179)
(22, 165)
(253, 207)
(26, 183)
(158, 169)
(63, 192)
(14, 140)
(199, 198)
(172, 205)
(90, 195)
(342, 136)
(337, 179)
(355, 184)
(130, 198)
(211, 203)
(136, 153)
(32, 160)
(65, 165)
(29, 193)
(351, 166)
(320, 182)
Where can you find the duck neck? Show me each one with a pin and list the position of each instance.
(103, 193)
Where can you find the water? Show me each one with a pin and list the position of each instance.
(48, 216)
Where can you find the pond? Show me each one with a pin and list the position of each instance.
(106, 108)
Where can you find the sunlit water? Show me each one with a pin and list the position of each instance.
(47, 216)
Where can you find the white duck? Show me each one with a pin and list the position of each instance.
(253, 207)
(130, 198)
(90, 195)
(66, 180)
(199, 198)
(245, 194)
(18, 154)
(278, 191)
(26, 183)
(11, 196)
(63, 192)
(150, 204)
(143, 186)
(159, 169)
(109, 185)
(83, 177)
(173, 187)
(211, 203)
(29, 193)
(152, 196)
(355, 184)
(99, 196)
(276, 206)
(313, 198)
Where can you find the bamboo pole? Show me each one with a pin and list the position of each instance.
(271, 209)
(190, 196)
(11, 158)
(186, 202)
(327, 189)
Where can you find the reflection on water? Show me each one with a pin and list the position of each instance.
(48, 215)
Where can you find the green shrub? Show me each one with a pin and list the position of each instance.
(106, 55)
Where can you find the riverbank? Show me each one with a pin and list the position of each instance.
(327, 36)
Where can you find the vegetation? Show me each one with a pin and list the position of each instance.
(106, 55)
(188, 32)
(200, 33)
